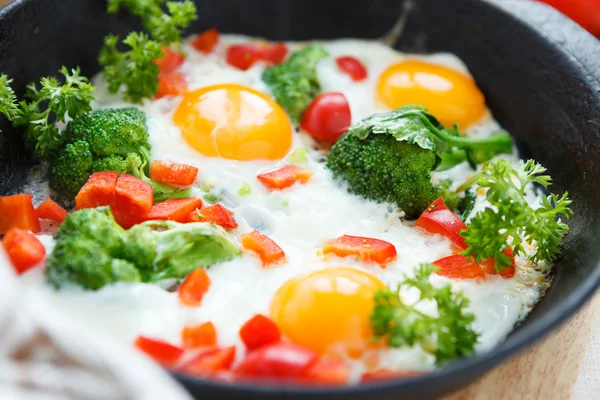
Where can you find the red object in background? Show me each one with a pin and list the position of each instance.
(170, 60)
(352, 67)
(278, 360)
(171, 84)
(23, 248)
(585, 12)
(259, 331)
(17, 211)
(201, 335)
(163, 352)
(244, 56)
(49, 209)
(275, 53)
(210, 362)
(194, 287)
(327, 117)
(206, 41)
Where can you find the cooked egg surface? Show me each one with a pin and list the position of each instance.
(230, 128)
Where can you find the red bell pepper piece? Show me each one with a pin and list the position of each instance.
(353, 67)
(201, 335)
(367, 249)
(458, 266)
(171, 84)
(172, 173)
(23, 248)
(259, 331)
(49, 209)
(489, 266)
(99, 190)
(170, 60)
(17, 211)
(243, 56)
(215, 213)
(277, 360)
(194, 287)
(173, 209)
(268, 251)
(333, 372)
(275, 54)
(206, 41)
(210, 362)
(163, 352)
(285, 177)
(437, 218)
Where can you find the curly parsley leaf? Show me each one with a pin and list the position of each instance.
(8, 99)
(511, 221)
(448, 335)
(134, 69)
(52, 103)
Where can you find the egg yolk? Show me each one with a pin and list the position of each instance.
(453, 98)
(234, 122)
(328, 311)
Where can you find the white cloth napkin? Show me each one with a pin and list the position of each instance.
(588, 382)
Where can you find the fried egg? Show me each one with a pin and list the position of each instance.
(230, 127)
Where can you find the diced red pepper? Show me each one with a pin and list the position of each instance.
(174, 209)
(489, 266)
(267, 249)
(171, 84)
(134, 195)
(243, 56)
(437, 218)
(385, 374)
(163, 352)
(215, 213)
(278, 360)
(367, 249)
(99, 190)
(285, 177)
(458, 266)
(206, 41)
(352, 67)
(333, 372)
(23, 248)
(170, 60)
(172, 173)
(17, 211)
(201, 335)
(49, 209)
(259, 331)
(194, 287)
(275, 53)
(210, 362)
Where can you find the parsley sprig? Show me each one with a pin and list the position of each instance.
(8, 99)
(511, 216)
(133, 68)
(448, 335)
(50, 103)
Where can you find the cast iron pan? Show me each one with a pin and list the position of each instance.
(540, 74)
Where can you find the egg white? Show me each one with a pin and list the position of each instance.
(300, 219)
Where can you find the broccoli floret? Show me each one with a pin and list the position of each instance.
(384, 169)
(92, 250)
(72, 168)
(294, 83)
(87, 251)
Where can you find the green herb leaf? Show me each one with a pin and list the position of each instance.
(133, 69)
(245, 190)
(448, 335)
(8, 100)
(512, 217)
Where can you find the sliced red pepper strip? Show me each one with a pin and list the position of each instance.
(17, 211)
(172, 173)
(194, 287)
(215, 213)
(171, 84)
(206, 41)
(278, 360)
(489, 266)
(99, 190)
(243, 56)
(353, 67)
(267, 249)
(210, 362)
(459, 267)
(201, 335)
(23, 248)
(285, 177)
(174, 210)
(275, 53)
(163, 352)
(259, 331)
(49, 209)
(367, 249)
(170, 60)
(437, 218)
(333, 372)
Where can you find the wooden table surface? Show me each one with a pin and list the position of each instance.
(535, 374)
